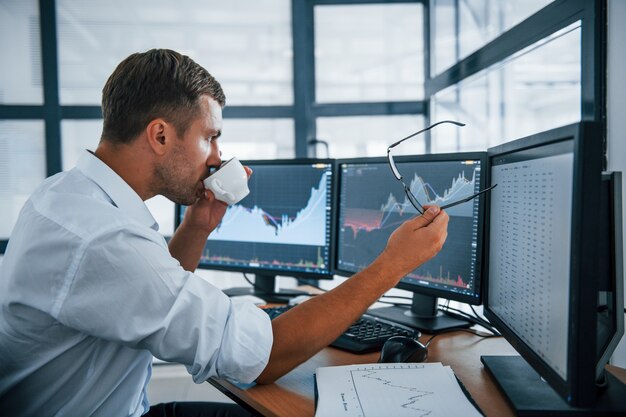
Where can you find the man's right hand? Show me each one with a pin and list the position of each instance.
(417, 240)
(413, 243)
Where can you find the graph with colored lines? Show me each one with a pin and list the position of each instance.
(373, 204)
(249, 222)
(284, 224)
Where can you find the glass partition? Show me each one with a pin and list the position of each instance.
(537, 89)
(461, 27)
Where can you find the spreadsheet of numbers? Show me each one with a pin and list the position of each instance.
(529, 262)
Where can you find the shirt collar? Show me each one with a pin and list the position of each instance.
(120, 193)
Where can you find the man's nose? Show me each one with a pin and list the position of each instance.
(215, 158)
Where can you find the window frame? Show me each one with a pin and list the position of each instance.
(305, 110)
(555, 16)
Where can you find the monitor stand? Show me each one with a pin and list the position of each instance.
(530, 395)
(265, 287)
(423, 315)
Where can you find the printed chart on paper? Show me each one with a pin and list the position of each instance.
(390, 390)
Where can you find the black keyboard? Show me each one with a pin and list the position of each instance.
(368, 334)
(274, 312)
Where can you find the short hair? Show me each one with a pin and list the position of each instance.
(153, 84)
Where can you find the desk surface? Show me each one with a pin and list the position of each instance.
(293, 394)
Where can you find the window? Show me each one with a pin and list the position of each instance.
(245, 44)
(461, 27)
(362, 136)
(257, 138)
(537, 89)
(355, 75)
(369, 53)
(22, 167)
(20, 72)
(78, 135)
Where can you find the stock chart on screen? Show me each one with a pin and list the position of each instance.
(282, 225)
(373, 204)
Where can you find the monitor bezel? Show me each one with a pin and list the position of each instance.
(579, 386)
(328, 274)
(438, 157)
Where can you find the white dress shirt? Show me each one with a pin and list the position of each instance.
(89, 292)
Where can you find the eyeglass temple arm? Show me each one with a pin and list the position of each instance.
(422, 131)
(468, 198)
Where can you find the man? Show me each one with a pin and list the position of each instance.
(89, 290)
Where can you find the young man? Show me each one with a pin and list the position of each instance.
(89, 289)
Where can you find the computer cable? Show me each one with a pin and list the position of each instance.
(401, 297)
(393, 304)
(315, 141)
(480, 317)
(453, 312)
(462, 315)
(483, 322)
(446, 309)
(251, 282)
(450, 311)
(474, 332)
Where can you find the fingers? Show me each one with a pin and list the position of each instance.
(417, 240)
(425, 219)
(440, 225)
(437, 229)
(248, 171)
(208, 194)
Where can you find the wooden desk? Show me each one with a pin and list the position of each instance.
(293, 394)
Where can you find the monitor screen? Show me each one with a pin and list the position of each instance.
(283, 227)
(372, 204)
(545, 223)
(530, 244)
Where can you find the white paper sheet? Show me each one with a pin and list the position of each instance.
(391, 390)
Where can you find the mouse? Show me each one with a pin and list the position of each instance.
(403, 349)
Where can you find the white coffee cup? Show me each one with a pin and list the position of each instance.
(229, 183)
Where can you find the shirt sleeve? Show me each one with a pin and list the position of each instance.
(128, 289)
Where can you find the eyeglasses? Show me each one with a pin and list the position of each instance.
(407, 190)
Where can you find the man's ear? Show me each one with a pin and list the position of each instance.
(158, 132)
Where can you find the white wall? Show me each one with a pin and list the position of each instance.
(616, 113)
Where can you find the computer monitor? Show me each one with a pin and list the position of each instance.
(553, 270)
(283, 227)
(372, 204)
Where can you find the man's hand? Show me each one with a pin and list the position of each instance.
(201, 219)
(416, 240)
(413, 243)
(207, 213)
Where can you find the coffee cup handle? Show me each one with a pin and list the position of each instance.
(221, 191)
